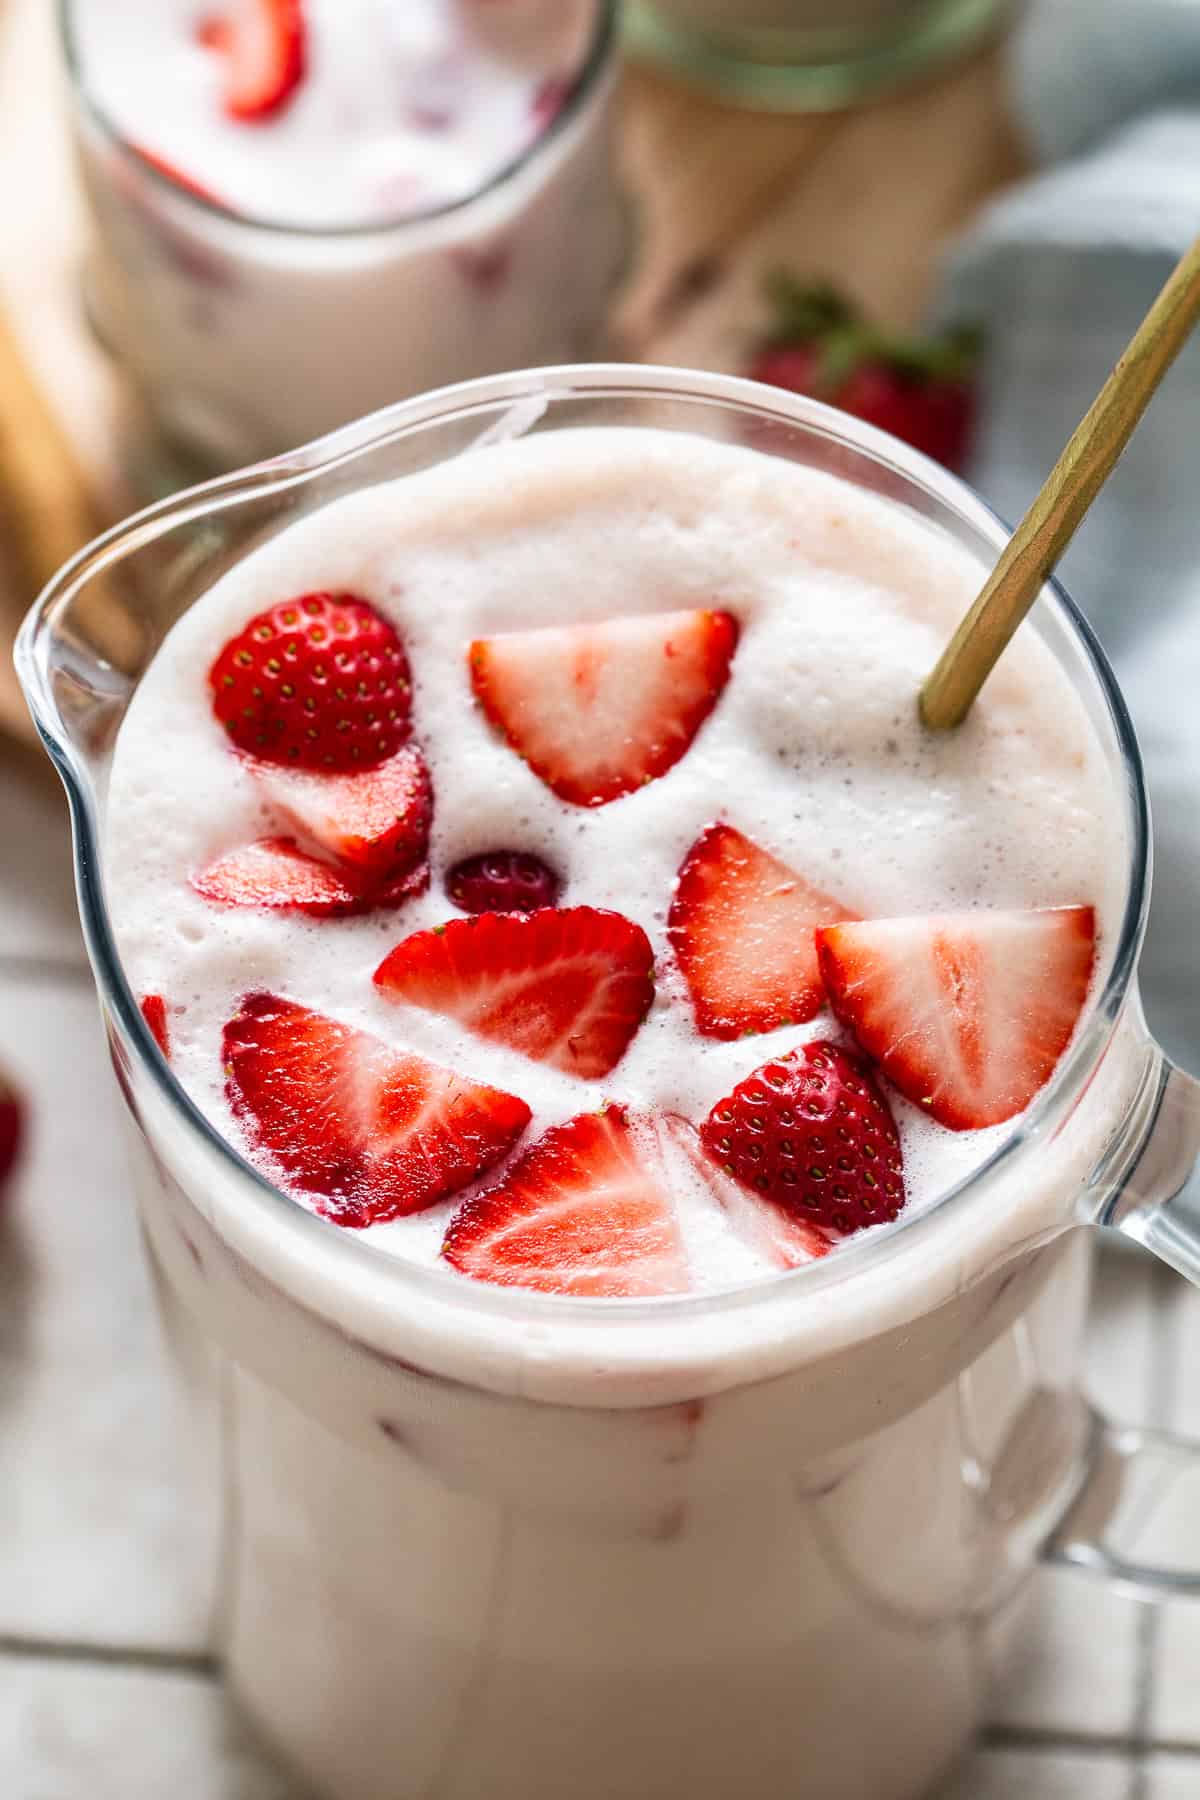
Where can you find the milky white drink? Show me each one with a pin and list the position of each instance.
(725, 1528)
(307, 208)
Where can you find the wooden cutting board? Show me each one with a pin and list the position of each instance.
(867, 198)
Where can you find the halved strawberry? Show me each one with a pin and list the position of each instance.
(967, 1013)
(785, 1240)
(375, 821)
(371, 1132)
(264, 46)
(567, 987)
(275, 872)
(813, 1135)
(742, 926)
(598, 710)
(320, 682)
(154, 1011)
(579, 1213)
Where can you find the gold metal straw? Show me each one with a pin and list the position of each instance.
(1036, 545)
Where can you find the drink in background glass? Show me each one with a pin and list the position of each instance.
(776, 1527)
(807, 54)
(395, 198)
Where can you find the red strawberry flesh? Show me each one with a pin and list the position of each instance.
(320, 682)
(966, 1013)
(599, 710)
(276, 873)
(374, 823)
(12, 1127)
(503, 881)
(742, 926)
(154, 1011)
(263, 45)
(369, 1132)
(811, 1133)
(783, 1239)
(579, 1213)
(566, 987)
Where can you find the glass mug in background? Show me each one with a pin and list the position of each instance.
(245, 337)
(488, 1541)
(809, 55)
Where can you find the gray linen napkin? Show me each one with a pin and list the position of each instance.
(1059, 271)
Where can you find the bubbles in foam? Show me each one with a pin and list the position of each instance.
(814, 750)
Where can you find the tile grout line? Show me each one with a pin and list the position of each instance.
(71, 970)
(142, 1658)
(1053, 1738)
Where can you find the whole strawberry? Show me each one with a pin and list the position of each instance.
(922, 391)
(12, 1127)
(812, 1132)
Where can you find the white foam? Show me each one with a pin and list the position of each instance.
(402, 107)
(814, 750)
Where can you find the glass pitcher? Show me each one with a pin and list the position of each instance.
(482, 1540)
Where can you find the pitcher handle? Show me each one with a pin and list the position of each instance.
(1132, 1520)
(1151, 1191)
(1134, 1513)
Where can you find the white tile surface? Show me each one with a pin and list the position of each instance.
(1043, 1775)
(1171, 1778)
(119, 1734)
(37, 899)
(98, 1538)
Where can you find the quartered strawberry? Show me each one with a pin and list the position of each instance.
(320, 682)
(503, 881)
(374, 822)
(154, 1011)
(811, 1133)
(12, 1126)
(276, 873)
(566, 987)
(579, 1213)
(742, 927)
(785, 1240)
(368, 1131)
(598, 710)
(263, 45)
(967, 1013)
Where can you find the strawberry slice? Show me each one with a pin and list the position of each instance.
(598, 710)
(967, 1013)
(375, 822)
(371, 1132)
(779, 1236)
(264, 47)
(320, 682)
(276, 873)
(742, 925)
(177, 176)
(566, 987)
(579, 1213)
(811, 1133)
(154, 1011)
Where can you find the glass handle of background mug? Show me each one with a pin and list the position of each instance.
(1134, 1520)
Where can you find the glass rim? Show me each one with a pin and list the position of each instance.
(527, 393)
(600, 57)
